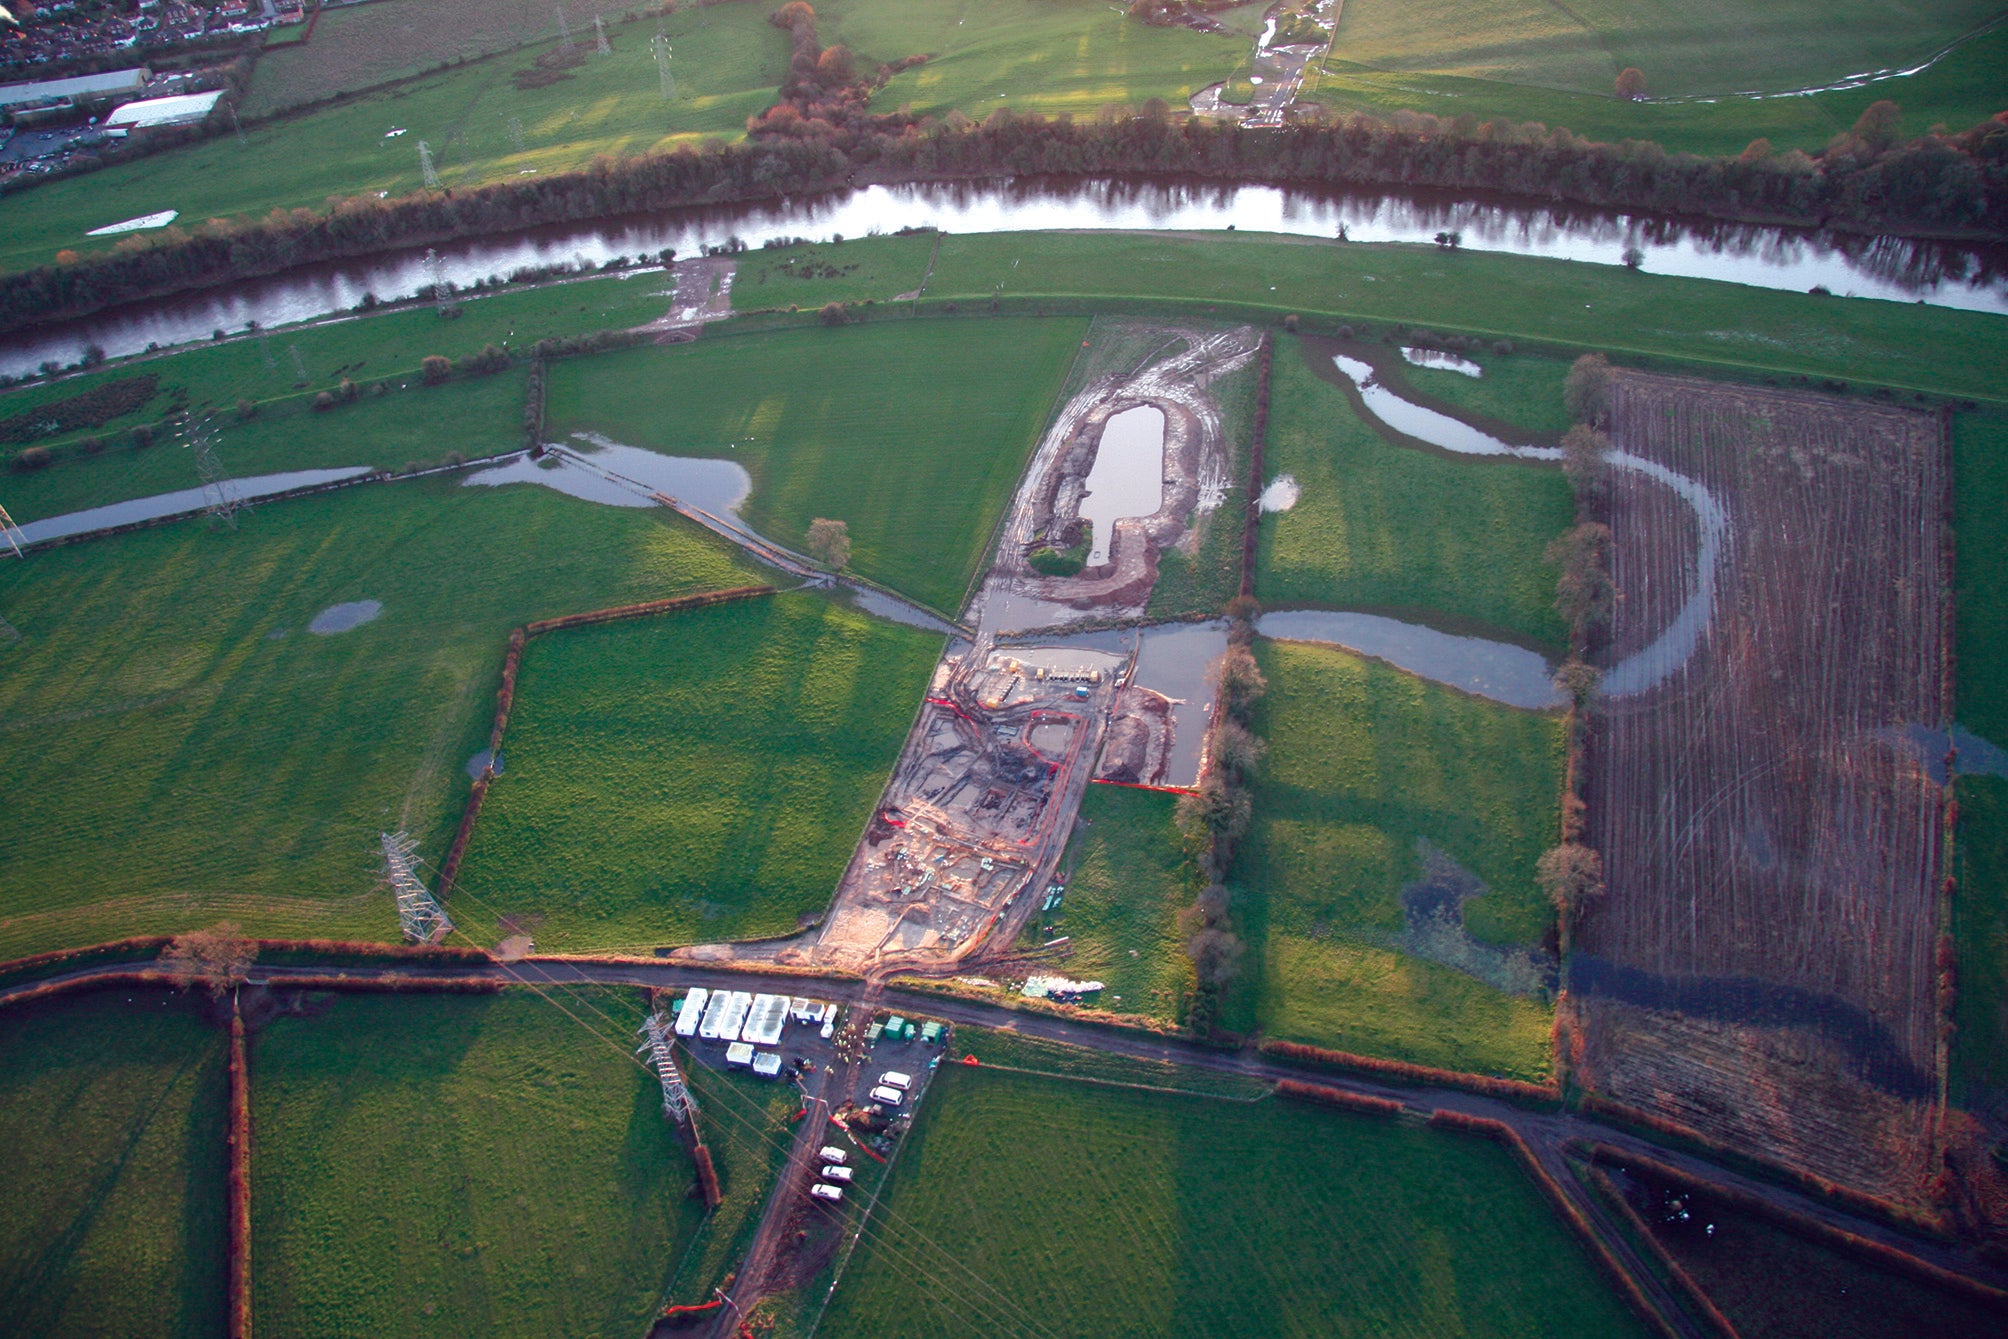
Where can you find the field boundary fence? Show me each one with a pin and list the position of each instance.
(1571, 1214)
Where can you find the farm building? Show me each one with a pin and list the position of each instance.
(74, 92)
(152, 113)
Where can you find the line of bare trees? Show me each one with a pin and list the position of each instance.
(1572, 872)
(1216, 817)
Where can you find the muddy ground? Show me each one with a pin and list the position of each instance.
(1762, 966)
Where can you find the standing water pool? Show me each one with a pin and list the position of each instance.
(1128, 476)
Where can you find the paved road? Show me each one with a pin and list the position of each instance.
(1548, 1133)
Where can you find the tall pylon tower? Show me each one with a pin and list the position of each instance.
(600, 32)
(564, 29)
(660, 45)
(677, 1103)
(418, 915)
(219, 496)
(516, 132)
(435, 270)
(425, 167)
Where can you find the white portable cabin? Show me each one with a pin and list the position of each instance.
(767, 1064)
(739, 1053)
(769, 1014)
(691, 1013)
(731, 1015)
(714, 1016)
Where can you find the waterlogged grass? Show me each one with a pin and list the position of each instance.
(473, 1165)
(1399, 529)
(1074, 1208)
(1365, 761)
(111, 1149)
(1709, 47)
(1519, 389)
(1980, 907)
(697, 776)
(727, 60)
(474, 418)
(914, 433)
(1567, 303)
(1960, 91)
(1130, 879)
(1200, 585)
(169, 727)
(1048, 56)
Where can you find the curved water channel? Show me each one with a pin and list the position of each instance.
(1680, 639)
(1766, 257)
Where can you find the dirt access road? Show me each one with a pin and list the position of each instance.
(1550, 1134)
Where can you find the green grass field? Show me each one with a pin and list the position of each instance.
(1048, 56)
(388, 345)
(1980, 907)
(914, 433)
(727, 60)
(486, 1165)
(862, 269)
(1717, 326)
(168, 725)
(1401, 530)
(1960, 91)
(360, 47)
(1522, 390)
(1030, 1205)
(1364, 760)
(111, 1148)
(697, 776)
(1130, 880)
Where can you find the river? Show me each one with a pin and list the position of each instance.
(1888, 268)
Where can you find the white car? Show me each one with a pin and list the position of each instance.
(832, 1154)
(824, 1191)
(843, 1174)
(885, 1096)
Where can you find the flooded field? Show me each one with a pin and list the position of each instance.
(1128, 477)
(181, 502)
(1496, 670)
(626, 476)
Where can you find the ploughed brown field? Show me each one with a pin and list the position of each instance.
(1762, 968)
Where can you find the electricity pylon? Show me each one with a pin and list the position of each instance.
(418, 915)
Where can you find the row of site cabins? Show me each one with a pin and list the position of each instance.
(744, 1021)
